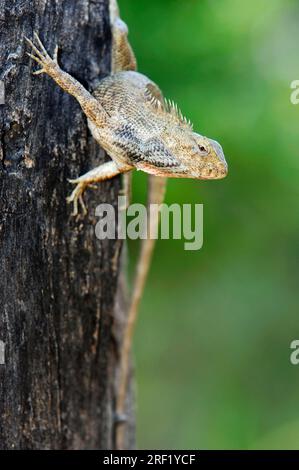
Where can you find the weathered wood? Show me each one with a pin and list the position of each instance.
(58, 283)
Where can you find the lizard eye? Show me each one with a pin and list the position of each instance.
(203, 149)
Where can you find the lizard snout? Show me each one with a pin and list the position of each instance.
(220, 163)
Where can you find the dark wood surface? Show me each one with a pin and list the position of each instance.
(58, 283)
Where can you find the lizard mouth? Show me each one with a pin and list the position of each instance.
(221, 167)
(222, 170)
(217, 171)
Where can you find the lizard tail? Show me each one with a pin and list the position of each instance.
(156, 192)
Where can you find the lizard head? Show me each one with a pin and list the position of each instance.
(192, 155)
(207, 158)
(177, 151)
(161, 141)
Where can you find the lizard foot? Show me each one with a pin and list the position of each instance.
(77, 195)
(42, 57)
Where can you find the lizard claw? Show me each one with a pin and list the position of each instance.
(77, 196)
(41, 55)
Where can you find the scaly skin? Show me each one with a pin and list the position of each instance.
(139, 129)
(150, 135)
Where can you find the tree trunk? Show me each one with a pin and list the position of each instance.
(60, 321)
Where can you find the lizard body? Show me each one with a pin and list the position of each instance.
(149, 134)
(129, 117)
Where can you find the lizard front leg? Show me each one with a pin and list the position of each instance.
(101, 173)
(91, 107)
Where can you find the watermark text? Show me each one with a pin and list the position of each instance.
(138, 221)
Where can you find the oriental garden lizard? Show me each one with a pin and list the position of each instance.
(139, 129)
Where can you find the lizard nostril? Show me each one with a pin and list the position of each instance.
(224, 168)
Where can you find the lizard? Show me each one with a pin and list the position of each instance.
(140, 130)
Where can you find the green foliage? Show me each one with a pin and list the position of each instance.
(213, 338)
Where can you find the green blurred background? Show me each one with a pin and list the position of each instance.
(213, 341)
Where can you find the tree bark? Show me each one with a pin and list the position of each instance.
(61, 310)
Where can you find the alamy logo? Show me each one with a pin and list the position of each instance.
(141, 222)
(294, 357)
(294, 98)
